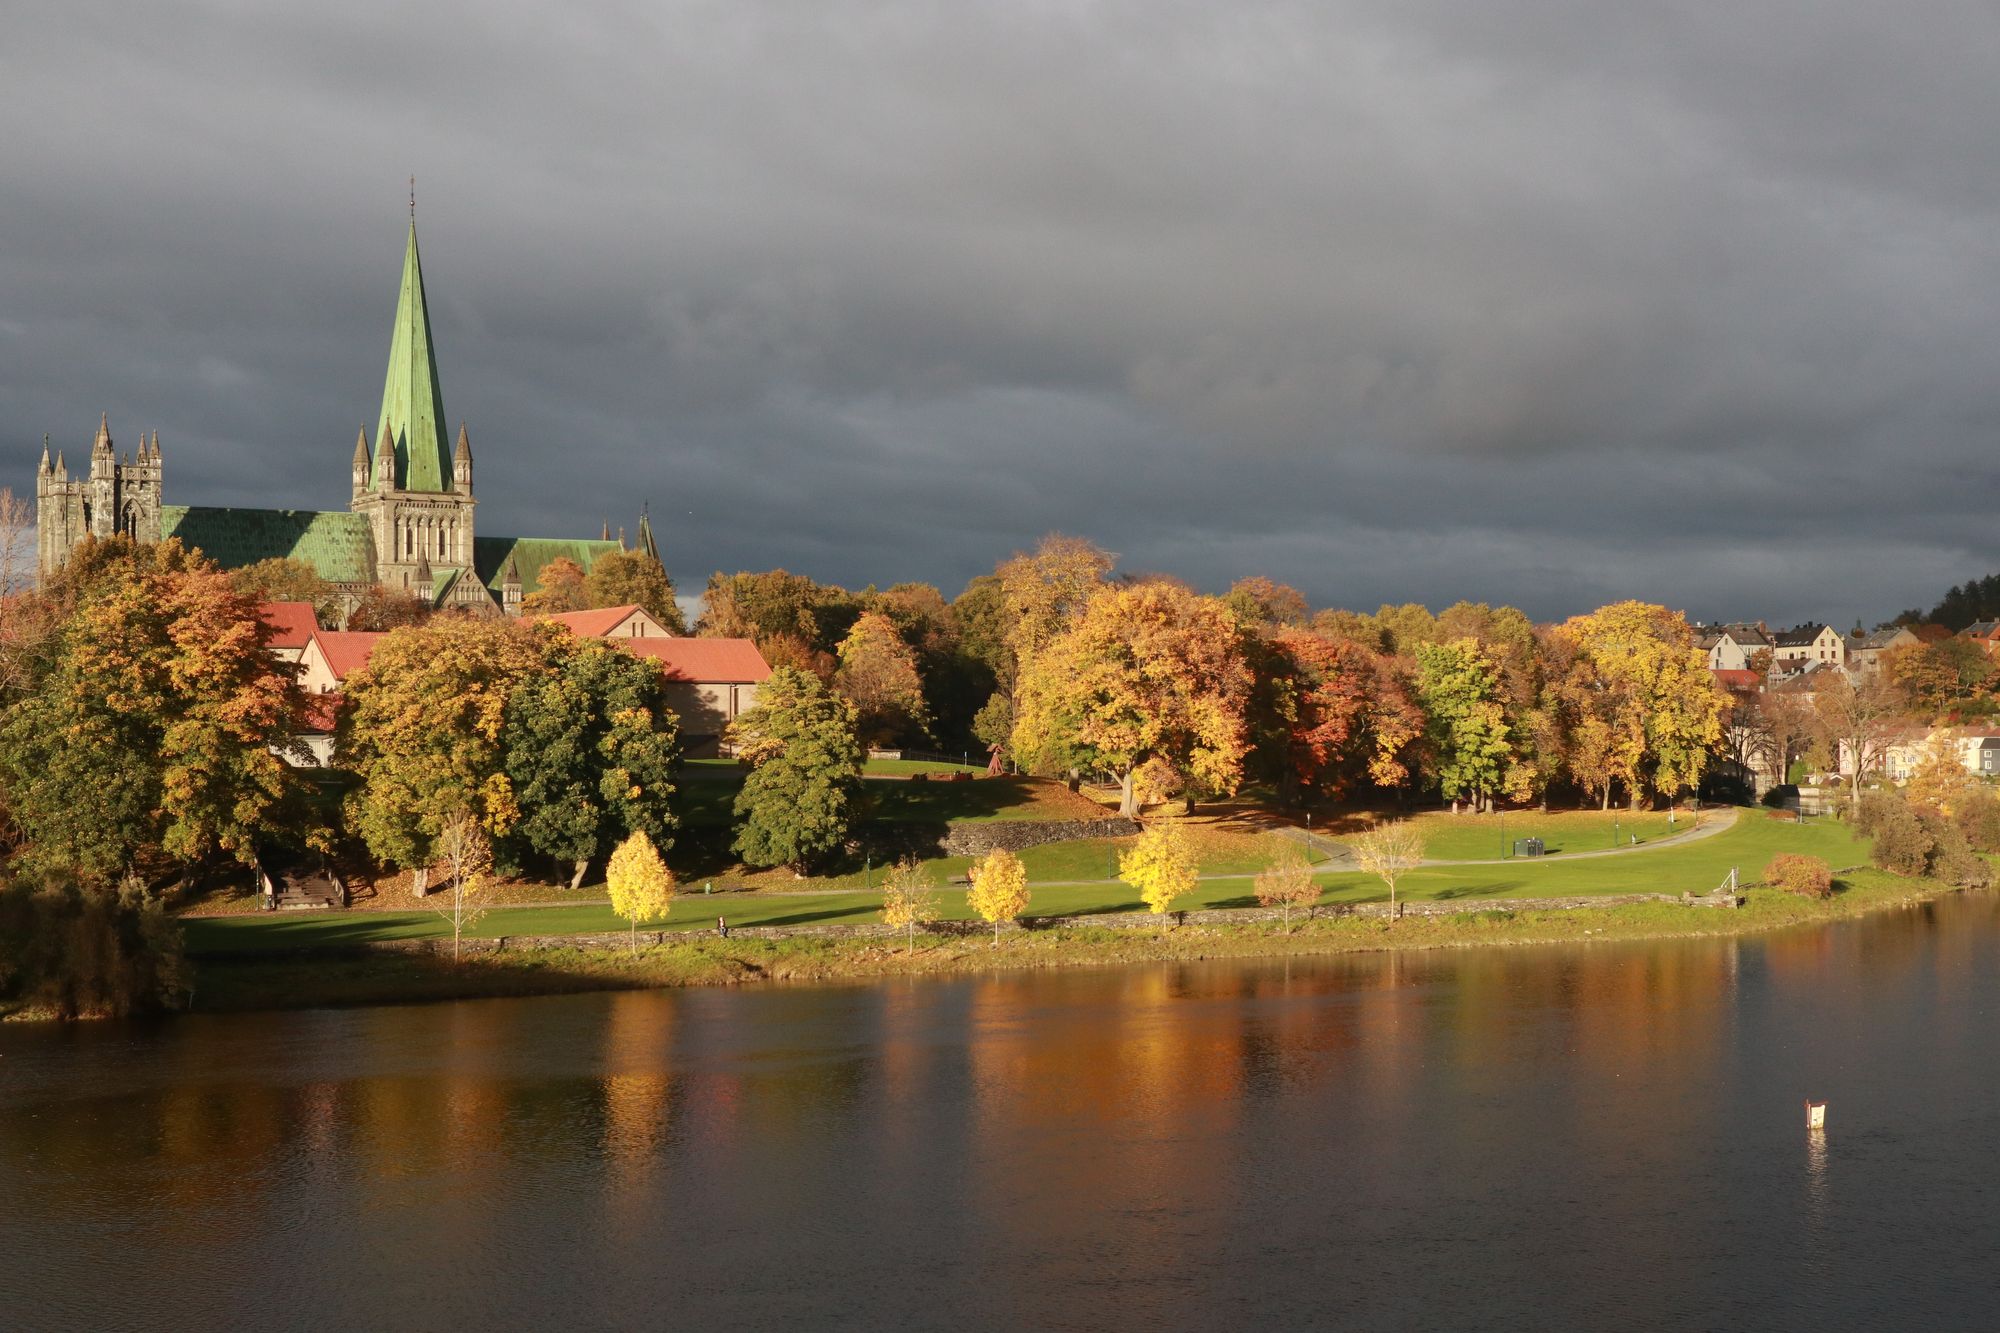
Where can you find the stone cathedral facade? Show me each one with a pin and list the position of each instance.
(409, 523)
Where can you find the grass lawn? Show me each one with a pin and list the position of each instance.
(1694, 868)
(1449, 837)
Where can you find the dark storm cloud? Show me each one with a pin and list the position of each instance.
(1549, 302)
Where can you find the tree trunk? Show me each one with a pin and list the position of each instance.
(420, 879)
(1188, 809)
(582, 868)
(1128, 804)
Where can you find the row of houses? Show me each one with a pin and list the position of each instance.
(709, 682)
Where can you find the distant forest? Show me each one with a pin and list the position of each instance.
(1975, 599)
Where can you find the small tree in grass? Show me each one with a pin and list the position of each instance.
(1285, 883)
(908, 900)
(999, 889)
(641, 886)
(464, 860)
(1388, 852)
(1161, 865)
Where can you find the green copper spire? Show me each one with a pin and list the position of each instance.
(646, 545)
(412, 404)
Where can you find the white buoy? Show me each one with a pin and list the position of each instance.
(1816, 1115)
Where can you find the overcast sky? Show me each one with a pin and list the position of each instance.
(1550, 302)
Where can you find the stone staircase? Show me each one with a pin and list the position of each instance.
(305, 887)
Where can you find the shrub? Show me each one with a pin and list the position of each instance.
(1954, 861)
(1875, 807)
(1903, 841)
(1808, 876)
(1978, 818)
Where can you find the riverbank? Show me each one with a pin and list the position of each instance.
(387, 977)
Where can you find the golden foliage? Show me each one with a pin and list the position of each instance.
(1388, 852)
(1161, 865)
(1286, 883)
(640, 885)
(999, 888)
(908, 899)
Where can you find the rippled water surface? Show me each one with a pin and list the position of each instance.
(1579, 1137)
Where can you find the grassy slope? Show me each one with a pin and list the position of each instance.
(1449, 837)
(1696, 867)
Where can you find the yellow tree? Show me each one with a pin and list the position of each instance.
(1388, 852)
(908, 900)
(1639, 671)
(464, 862)
(1046, 591)
(1286, 883)
(999, 889)
(878, 675)
(559, 587)
(1152, 671)
(641, 886)
(1161, 865)
(1941, 780)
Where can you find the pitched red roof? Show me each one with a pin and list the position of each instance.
(1733, 679)
(346, 651)
(592, 624)
(703, 661)
(292, 623)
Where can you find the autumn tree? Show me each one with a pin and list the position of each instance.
(424, 732)
(909, 900)
(1940, 781)
(1405, 628)
(1264, 607)
(17, 543)
(1783, 724)
(763, 606)
(1147, 671)
(1161, 864)
(1856, 721)
(640, 885)
(1308, 708)
(463, 867)
(1286, 883)
(633, 578)
(379, 609)
(559, 587)
(1045, 591)
(999, 889)
(153, 721)
(981, 616)
(1388, 852)
(1637, 670)
(878, 675)
(283, 579)
(797, 802)
(1933, 676)
(590, 751)
(1458, 687)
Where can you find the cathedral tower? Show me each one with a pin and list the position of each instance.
(416, 490)
(117, 496)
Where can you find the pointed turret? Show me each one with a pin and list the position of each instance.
(412, 403)
(361, 462)
(102, 445)
(385, 462)
(510, 586)
(48, 468)
(645, 543)
(461, 463)
(62, 468)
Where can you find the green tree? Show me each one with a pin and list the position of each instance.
(1146, 671)
(148, 734)
(591, 752)
(1458, 687)
(1161, 865)
(797, 802)
(424, 731)
(640, 885)
(633, 578)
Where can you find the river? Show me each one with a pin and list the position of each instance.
(1578, 1137)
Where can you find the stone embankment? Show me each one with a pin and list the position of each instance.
(1226, 916)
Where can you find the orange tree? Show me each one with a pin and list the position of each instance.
(1146, 672)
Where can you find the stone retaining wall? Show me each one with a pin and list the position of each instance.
(1106, 921)
(1017, 835)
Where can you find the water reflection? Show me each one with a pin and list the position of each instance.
(1380, 1139)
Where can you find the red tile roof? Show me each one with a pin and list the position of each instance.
(703, 661)
(347, 651)
(1733, 679)
(292, 623)
(592, 624)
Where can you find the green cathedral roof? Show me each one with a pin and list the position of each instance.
(489, 557)
(412, 403)
(340, 546)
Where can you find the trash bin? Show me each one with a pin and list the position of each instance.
(1527, 846)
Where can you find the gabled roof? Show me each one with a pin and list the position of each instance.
(346, 651)
(596, 623)
(1800, 637)
(1982, 629)
(340, 546)
(292, 623)
(703, 661)
(1734, 679)
(490, 556)
(412, 402)
(1747, 635)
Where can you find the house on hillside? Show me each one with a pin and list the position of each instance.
(1977, 748)
(1985, 633)
(611, 622)
(1820, 644)
(1864, 651)
(710, 682)
(1730, 647)
(291, 626)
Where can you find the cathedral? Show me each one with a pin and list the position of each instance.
(408, 525)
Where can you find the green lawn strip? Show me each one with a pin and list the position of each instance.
(1449, 837)
(1695, 868)
(903, 767)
